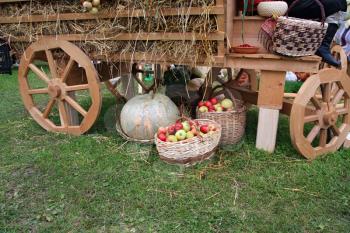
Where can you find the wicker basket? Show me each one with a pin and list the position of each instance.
(271, 8)
(298, 37)
(232, 123)
(190, 151)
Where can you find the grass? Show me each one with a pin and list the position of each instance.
(98, 183)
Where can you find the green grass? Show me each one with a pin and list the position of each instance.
(98, 183)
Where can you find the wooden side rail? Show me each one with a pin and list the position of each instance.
(169, 36)
(106, 14)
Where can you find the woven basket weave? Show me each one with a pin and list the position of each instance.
(190, 151)
(232, 123)
(271, 8)
(295, 37)
(299, 37)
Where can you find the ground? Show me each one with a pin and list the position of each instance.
(99, 183)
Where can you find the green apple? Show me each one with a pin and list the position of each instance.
(189, 135)
(203, 109)
(186, 126)
(219, 109)
(181, 135)
(227, 103)
(172, 138)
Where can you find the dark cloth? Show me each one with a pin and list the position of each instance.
(309, 9)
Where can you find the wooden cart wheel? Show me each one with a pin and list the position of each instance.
(320, 120)
(340, 55)
(59, 82)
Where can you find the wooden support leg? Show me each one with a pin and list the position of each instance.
(270, 102)
(267, 129)
(347, 142)
(73, 116)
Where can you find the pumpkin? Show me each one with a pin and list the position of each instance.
(141, 116)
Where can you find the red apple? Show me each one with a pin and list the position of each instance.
(204, 129)
(213, 101)
(211, 110)
(208, 104)
(178, 126)
(162, 137)
(201, 104)
(171, 130)
(162, 130)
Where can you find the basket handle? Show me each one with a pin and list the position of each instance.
(323, 13)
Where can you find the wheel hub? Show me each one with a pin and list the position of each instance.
(54, 91)
(330, 118)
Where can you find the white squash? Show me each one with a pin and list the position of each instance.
(144, 114)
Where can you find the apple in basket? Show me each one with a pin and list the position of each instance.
(201, 104)
(171, 130)
(204, 129)
(203, 109)
(171, 138)
(181, 135)
(189, 135)
(162, 130)
(214, 101)
(186, 126)
(162, 137)
(227, 104)
(178, 126)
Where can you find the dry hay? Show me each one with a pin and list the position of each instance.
(42, 7)
(202, 24)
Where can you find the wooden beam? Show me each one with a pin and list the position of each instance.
(152, 58)
(170, 36)
(267, 129)
(107, 14)
(273, 62)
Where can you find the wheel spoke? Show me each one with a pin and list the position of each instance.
(313, 133)
(326, 93)
(75, 105)
(311, 118)
(38, 91)
(342, 111)
(316, 103)
(49, 108)
(67, 70)
(63, 114)
(335, 130)
(335, 89)
(78, 87)
(39, 73)
(52, 64)
(323, 137)
(338, 96)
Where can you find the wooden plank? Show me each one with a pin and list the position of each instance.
(11, 1)
(72, 114)
(169, 36)
(230, 12)
(267, 129)
(106, 14)
(271, 89)
(151, 58)
(308, 64)
(221, 24)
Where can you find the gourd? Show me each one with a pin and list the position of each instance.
(141, 116)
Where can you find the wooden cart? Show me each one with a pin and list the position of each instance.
(319, 113)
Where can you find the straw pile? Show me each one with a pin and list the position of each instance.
(182, 22)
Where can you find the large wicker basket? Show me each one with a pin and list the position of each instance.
(232, 123)
(190, 151)
(299, 37)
